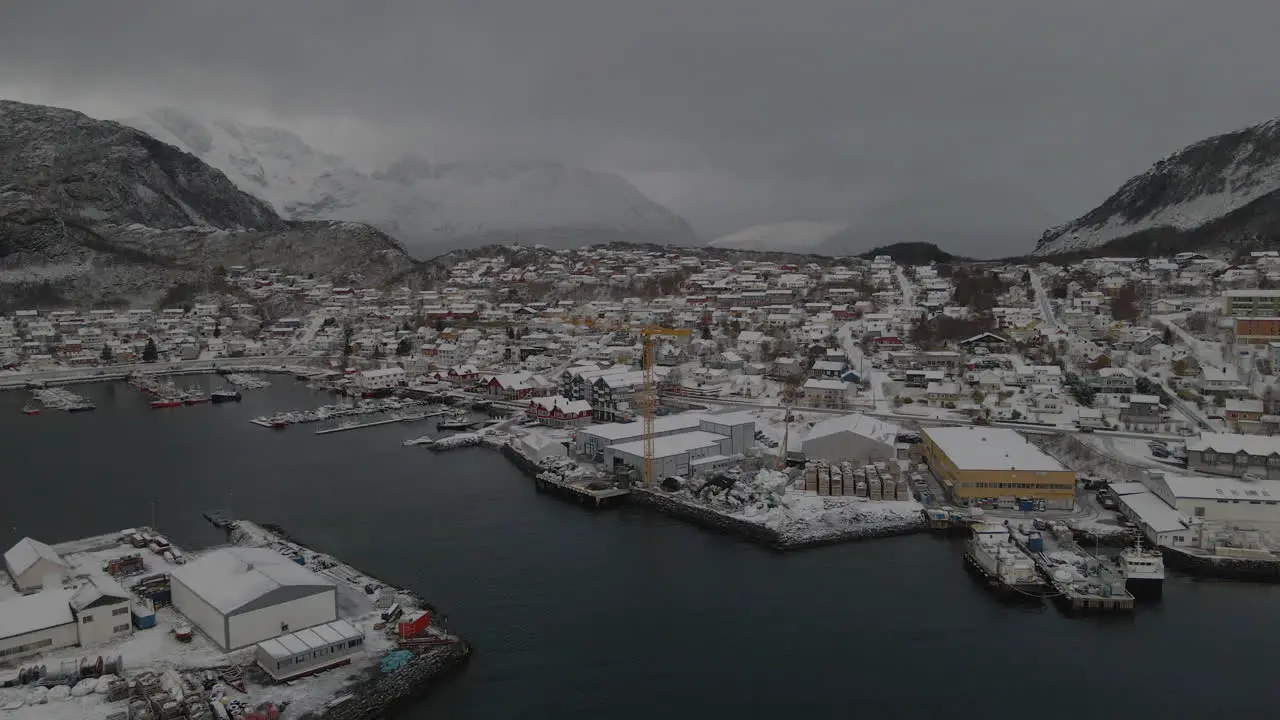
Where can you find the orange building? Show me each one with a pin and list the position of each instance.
(1257, 330)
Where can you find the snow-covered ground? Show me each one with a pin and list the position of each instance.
(767, 498)
(157, 650)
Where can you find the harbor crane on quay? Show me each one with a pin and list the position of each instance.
(649, 395)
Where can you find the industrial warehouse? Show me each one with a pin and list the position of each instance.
(977, 464)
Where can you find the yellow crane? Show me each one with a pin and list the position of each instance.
(649, 396)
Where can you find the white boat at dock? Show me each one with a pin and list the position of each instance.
(1143, 571)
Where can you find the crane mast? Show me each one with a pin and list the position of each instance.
(649, 393)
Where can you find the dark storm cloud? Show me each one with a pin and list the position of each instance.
(793, 106)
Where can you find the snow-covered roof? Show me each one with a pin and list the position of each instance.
(304, 641)
(95, 589)
(863, 425)
(38, 611)
(1222, 488)
(26, 553)
(230, 578)
(622, 431)
(1127, 488)
(1153, 512)
(986, 448)
(669, 445)
(1231, 443)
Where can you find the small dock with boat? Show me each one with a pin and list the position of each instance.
(1082, 582)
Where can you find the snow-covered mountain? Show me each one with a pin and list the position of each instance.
(430, 208)
(1200, 186)
(799, 236)
(93, 210)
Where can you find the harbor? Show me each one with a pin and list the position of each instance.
(59, 399)
(1082, 582)
(360, 408)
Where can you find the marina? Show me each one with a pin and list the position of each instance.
(354, 425)
(337, 412)
(246, 382)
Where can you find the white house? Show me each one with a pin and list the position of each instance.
(241, 596)
(101, 609)
(30, 562)
(827, 393)
(381, 378)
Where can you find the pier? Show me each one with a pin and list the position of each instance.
(376, 423)
(1083, 583)
(589, 492)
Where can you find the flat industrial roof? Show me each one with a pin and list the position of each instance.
(622, 431)
(1153, 512)
(669, 445)
(987, 448)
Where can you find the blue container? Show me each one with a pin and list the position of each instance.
(300, 559)
(1035, 543)
(144, 619)
(1026, 505)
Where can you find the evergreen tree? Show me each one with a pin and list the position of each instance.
(106, 354)
(403, 347)
(149, 353)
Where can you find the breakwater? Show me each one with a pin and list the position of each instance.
(1223, 568)
(380, 695)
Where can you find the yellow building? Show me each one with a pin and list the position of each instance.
(984, 463)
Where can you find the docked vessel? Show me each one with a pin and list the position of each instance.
(195, 399)
(30, 410)
(221, 396)
(992, 554)
(1143, 570)
(165, 403)
(81, 407)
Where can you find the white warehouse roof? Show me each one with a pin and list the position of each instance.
(623, 431)
(229, 579)
(986, 448)
(38, 611)
(669, 445)
(26, 553)
(856, 423)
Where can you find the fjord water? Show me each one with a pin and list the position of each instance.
(624, 613)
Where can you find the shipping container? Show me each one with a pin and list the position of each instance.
(143, 618)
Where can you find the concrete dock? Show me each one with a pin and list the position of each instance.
(1082, 582)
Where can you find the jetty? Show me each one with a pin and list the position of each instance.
(376, 423)
(1082, 582)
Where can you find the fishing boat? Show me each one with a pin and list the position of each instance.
(166, 403)
(30, 409)
(1143, 570)
(221, 396)
(992, 554)
(81, 407)
(278, 423)
(195, 399)
(454, 425)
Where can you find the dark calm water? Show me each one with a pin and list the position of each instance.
(625, 614)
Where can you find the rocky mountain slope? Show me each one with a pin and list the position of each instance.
(1205, 194)
(92, 211)
(430, 208)
(799, 236)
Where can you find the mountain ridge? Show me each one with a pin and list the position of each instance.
(1196, 187)
(93, 209)
(429, 207)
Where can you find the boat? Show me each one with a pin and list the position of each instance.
(195, 399)
(81, 407)
(454, 425)
(991, 552)
(165, 403)
(1143, 570)
(278, 423)
(221, 396)
(30, 410)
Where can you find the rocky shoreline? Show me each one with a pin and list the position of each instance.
(380, 695)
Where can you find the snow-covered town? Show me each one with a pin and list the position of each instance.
(1131, 402)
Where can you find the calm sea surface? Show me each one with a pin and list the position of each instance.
(623, 613)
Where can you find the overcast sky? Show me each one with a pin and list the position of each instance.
(732, 112)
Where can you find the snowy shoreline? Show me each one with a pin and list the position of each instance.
(795, 534)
